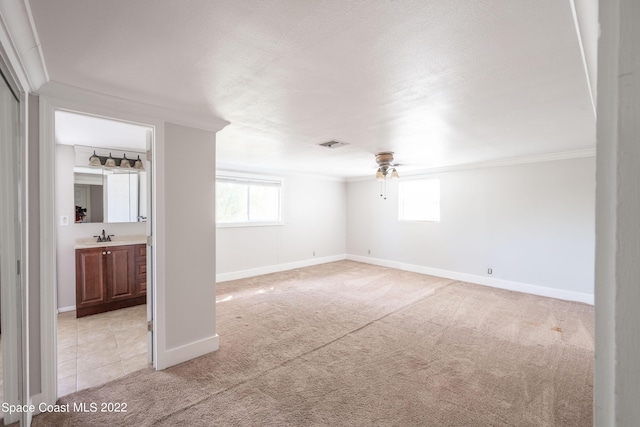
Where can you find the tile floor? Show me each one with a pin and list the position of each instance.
(95, 349)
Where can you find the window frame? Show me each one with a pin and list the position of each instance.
(401, 200)
(242, 177)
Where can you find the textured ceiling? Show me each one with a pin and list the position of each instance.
(438, 82)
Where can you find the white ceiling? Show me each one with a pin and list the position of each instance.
(439, 82)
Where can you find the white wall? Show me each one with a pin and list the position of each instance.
(66, 235)
(533, 224)
(314, 214)
(617, 345)
(189, 244)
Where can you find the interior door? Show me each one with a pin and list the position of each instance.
(10, 246)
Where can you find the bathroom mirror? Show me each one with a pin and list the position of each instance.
(109, 195)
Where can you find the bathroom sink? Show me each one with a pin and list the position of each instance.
(83, 243)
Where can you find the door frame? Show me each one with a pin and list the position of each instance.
(14, 299)
(49, 104)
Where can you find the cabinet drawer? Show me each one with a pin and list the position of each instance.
(141, 271)
(141, 253)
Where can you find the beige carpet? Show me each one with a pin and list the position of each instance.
(350, 344)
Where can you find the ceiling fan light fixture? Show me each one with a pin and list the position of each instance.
(384, 159)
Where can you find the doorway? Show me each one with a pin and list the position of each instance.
(102, 323)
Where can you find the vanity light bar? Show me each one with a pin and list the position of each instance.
(115, 162)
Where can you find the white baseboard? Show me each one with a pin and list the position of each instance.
(242, 274)
(190, 351)
(480, 280)
(65, 309)
(36, 400)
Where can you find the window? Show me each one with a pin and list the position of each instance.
(243, 200)
(419, 200)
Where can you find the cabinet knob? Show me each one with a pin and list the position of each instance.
(104, 253)
(108, 252)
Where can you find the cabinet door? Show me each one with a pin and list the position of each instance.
(120, 272)
(141, 269)
(90, 273)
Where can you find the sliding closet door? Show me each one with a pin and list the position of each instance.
(10, 246)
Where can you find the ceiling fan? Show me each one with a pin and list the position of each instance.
(384, 159)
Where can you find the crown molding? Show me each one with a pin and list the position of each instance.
(235, 168)
(538, 158)
(80, 96)
(19, 36)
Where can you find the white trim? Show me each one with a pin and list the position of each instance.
(14, 248)
(248, 224)
(242, 169)
(11, 55)
(242, 274)
(66, 309)
(374, 261)
(480, 280)
(48, 229)
(48, 271)
(24, 256)
(78, 97)
(248, 176)
(564, 155)
(158, 256)
(28, 60)
(117, 109)
(190, 351)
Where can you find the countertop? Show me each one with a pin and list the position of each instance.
(90, 242)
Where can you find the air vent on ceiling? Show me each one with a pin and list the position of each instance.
(332, 144)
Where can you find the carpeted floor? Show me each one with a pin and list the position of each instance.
(351, 344)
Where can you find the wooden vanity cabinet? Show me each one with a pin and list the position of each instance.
(107, 278)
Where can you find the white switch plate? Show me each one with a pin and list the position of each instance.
(64, 219)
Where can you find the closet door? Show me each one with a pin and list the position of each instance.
(10, 245)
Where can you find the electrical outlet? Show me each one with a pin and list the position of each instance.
(489, 271)
(64, 219)
(314, 253)
(369, 252)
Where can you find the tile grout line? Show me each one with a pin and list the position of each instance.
(108, 321)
